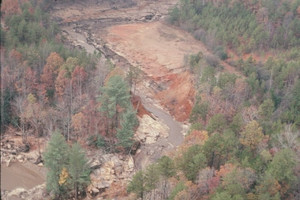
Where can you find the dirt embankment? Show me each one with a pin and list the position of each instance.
(158, 50)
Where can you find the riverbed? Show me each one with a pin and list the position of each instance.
(21, 175)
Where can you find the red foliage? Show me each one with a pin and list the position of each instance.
(61, 83)
(10, 7)
(79, 76)
(55, 61)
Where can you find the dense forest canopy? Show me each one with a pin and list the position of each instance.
(244, 136)
(51, 89)
(243, 141)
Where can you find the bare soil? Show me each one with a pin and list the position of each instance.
(158, 50)
(21, 175)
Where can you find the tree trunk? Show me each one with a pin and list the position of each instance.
(76, 191)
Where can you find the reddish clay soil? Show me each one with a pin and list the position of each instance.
(159, 50)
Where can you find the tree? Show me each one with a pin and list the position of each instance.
(268, 188)
(56, 158)
(216, 123)
(78, 77)
(115, 98)
(192, 161)
(133, 77)
(79, 124)
(222, 196)
(266, 109)
(10, 7)
(151, 178)
(282, 166)
(252, 135)
(166, 169)
(126, 132)
(137, 184)
(220, 148)
(78, 169)
(50, 71)
(237, 123)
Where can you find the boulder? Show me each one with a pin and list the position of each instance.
(24, 148)
(150, 130)
(95, 191)
(20, 158)
(95, 164)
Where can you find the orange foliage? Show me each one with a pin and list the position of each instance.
(10, 7)
(61, 82)
(225, 169)
(79, 123)
(16, 55)
(196, 137)
(55, 61)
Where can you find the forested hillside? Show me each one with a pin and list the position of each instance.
(244, 137)
(48, 86)
(237, 99)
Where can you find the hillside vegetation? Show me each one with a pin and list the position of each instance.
(244, 136)
(48, 86)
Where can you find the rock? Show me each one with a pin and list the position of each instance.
(8, 146)
(95, 164)
(8, 162)
(104, 184)
(95, 191)
(118, 170)
(15, 193)
(150, 130)
(38, 160)
(40, 164)
(135, 147)
(130, 163)
(25, 148)
(20, 158)
(32, 156)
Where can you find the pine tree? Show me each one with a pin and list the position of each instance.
(56, 158)
(78, 169)
(137, 185)
(151, 177)
(115, 97)
(166, 168)
(126, 132)
(192, 161)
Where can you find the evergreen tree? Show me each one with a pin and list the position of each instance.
(151, 177)
(216, 123)
(78, 169)
(282, 166)
(137, 185)
(115, 97)
(126, 132)
(166, 168)
(56, 158)
(192, 161)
